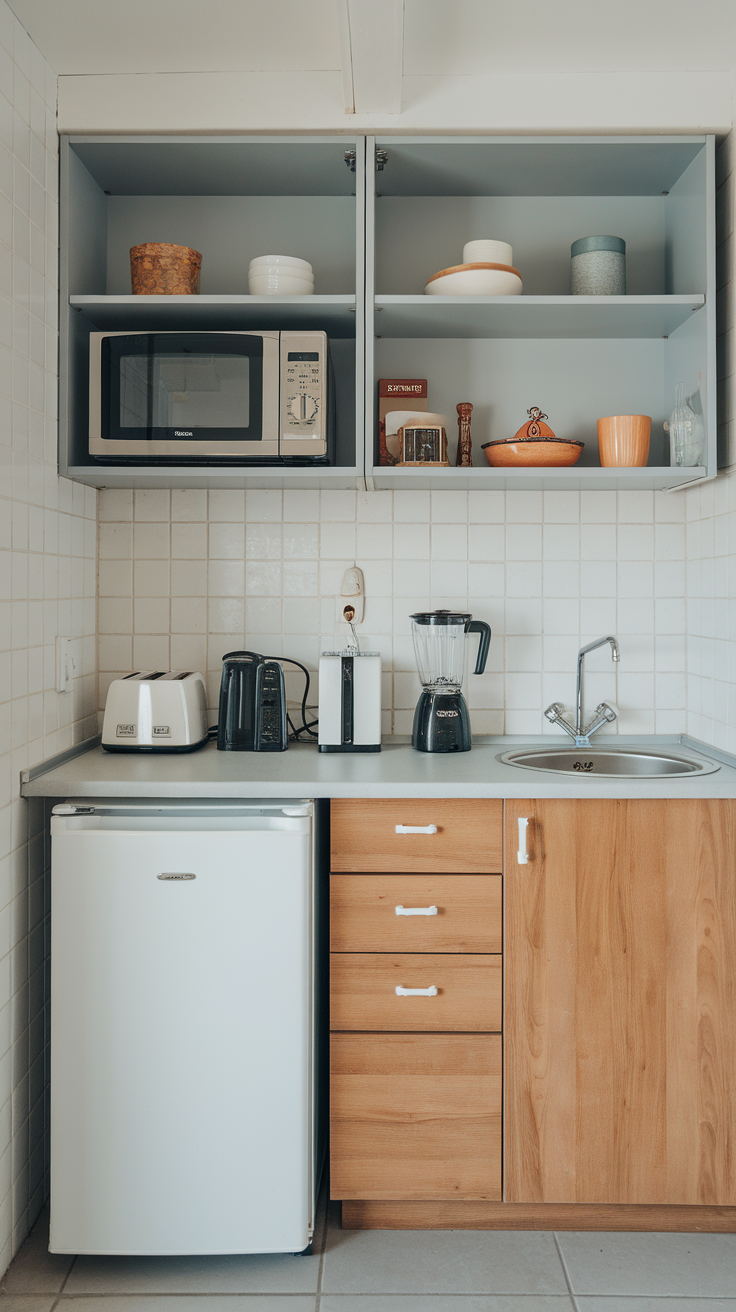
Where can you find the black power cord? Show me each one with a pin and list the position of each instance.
(295, 736)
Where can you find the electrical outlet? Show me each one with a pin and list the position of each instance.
(350, 602)
(64, 665)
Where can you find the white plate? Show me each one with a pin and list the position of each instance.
(475, 282)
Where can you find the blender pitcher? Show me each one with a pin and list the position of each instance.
(441, 720)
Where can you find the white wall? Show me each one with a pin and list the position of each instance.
(47, 586)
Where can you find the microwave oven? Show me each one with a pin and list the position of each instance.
(210, 398)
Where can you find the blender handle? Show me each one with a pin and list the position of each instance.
(480, 626)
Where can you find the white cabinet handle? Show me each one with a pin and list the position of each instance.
(522, 856)
(416, 829)
(416, 911)
(431, 992)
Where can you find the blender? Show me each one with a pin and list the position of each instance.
(441, 720)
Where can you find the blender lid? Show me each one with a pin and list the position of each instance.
(441, 617)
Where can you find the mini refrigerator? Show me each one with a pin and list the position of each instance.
(182, 1028)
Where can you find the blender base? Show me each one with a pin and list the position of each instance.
(441, 723)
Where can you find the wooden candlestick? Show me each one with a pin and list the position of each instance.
(464, 440)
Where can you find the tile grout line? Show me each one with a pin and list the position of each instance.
(566, 1273)
(55, 1303)
(323, 1246)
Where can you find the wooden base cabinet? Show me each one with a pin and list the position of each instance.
(618, 956)
(620, 1006)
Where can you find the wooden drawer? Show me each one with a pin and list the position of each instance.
(468, 838)
(363, 916)
(415, 1116)
(363, 991)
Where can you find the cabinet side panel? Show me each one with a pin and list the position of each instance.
(701, 986)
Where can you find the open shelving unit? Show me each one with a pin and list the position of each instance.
(232, 198)
(577, 357)
(374, 236)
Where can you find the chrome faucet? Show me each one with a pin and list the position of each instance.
(602, 714)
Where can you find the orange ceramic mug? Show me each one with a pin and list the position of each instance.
(624, 439)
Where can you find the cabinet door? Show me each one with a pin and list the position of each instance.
(433, 835)
(467, 991)
(620, 1057)
(415, 1116)
(377, 913)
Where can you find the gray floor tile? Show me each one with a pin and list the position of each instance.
(268, 1274)
(689, 1265)
(441, 1262)
(34, 1270)
(446, 1303)
(620, 1303)
(190, 1303)
(26, 1302)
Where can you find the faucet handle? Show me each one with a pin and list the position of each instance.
(553, 712)
(609, 715)
(603, 714)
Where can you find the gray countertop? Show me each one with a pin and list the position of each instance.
(397, 771)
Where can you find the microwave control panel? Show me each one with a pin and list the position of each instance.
(303, 391)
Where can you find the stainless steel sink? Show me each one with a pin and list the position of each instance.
(608, 762)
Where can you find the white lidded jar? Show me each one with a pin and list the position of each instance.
(598, 266)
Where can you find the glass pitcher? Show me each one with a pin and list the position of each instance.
(439, 646)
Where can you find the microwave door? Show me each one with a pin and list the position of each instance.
(184, 397)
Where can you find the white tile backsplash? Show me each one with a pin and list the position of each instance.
(547, 571)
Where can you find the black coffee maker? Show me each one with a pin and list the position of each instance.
(441, 719)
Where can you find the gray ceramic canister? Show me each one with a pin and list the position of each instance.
(598, 266)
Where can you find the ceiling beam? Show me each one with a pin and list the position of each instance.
(372, 53)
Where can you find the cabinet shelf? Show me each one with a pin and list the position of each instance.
(533, 316)
(334, 314)
(251, 476)
(590, 479)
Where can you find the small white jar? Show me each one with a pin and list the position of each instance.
(598, 266)
(485, 251)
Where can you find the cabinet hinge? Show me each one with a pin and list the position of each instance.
(349, 158)
(381, 158)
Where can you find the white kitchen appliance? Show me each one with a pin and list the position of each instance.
(156, 711)
(183, 1035)
(350, 701)
(200, 398)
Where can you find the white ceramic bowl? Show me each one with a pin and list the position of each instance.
(475, 281)
(281, 284)
(283, 271)
(487, 252)
(278, 261)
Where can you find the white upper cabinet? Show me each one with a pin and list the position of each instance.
(578, 358)
(374, 236)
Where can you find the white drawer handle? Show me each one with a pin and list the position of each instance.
(522, 856)
(431, 992)
(416, 829)
(416, 911)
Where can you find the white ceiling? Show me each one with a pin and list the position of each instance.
(441, 37)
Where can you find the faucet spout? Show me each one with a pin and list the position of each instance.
(592, 646)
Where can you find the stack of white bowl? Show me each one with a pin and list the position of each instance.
(486, 270)
(280, 275)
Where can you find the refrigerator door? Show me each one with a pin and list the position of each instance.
(181, 1117)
